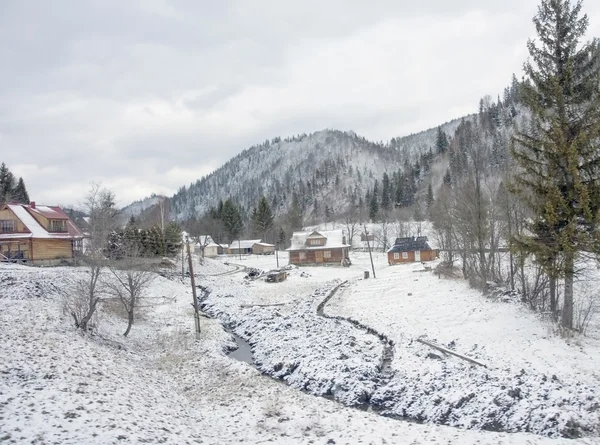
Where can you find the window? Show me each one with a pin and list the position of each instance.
(302, 255)
(327, 254)
(7, 226)
(315, 242)
(404, 255)
(58, 225)
(396, 256)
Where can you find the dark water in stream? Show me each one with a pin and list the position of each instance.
(243, 353)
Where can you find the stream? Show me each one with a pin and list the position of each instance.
(243, 352)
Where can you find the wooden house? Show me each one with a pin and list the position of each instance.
(318, 247)
(241, 247)
(367, 237)
(410, 250)
(37, 234)
(263, 249)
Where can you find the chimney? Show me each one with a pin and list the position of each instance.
(32, 205)
(344, 239)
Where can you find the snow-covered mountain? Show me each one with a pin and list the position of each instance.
(138, 208)
(327, 169)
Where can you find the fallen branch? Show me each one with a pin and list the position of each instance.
(265, 305)
(449, 351)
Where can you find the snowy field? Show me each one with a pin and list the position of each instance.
(160, 385)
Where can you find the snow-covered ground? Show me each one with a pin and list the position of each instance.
(160, 385)
(534, 380)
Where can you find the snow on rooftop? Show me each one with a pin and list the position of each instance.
(244, 244)
(335, 239)
(36, 229)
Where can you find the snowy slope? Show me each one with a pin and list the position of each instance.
(336, 164)
(160, 385)
(534, 380)
(136, 208)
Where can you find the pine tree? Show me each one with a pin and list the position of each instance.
(262, 217)
(386, 199)
(429, 197)
(441, 141)
(19, 193)
(558, 156)
(281, 237)
(232, 220)
(374, 204)
(295, 214)
(7, 184)
(448, 178)
(172, 238)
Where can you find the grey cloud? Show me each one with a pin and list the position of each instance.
(144, 94)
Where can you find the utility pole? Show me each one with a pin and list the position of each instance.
(182, 260)
(277, 254)
(369, 247)
(193, 279)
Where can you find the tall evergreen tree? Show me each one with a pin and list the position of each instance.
(7, 183)
(558, 156)
(19, 193)
(232, 220)
(386, 196)
(294, 217)
(262, 218)
(374, 204)
(441, 141)
(429, 197)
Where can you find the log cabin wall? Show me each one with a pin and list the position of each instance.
(335, 256)
(426, 255)
(51, 249)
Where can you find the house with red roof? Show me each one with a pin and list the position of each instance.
(37, 234)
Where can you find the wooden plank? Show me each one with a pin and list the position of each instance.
(449, 351)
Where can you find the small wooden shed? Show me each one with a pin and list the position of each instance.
(410, 250)
(243, 247)
(263, 249)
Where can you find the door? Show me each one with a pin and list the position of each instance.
(319, 256)
(417, 255)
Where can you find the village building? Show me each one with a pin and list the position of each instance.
(319, 247)
(263, 249)
(410, 250)
(37, 234)
(242, 247)
(202, 243)
(212, 250)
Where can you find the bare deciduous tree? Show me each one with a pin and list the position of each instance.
(83, 295)
(130, 279)
(351, 221)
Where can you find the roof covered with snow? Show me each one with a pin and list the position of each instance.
(244, 244)
(410, 244)
(35, 229)
(46, 211)
(265, 244)
(334, 240)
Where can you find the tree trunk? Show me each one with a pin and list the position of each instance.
(567, 312)
(129, 323)
(552, 280)
(524, 296)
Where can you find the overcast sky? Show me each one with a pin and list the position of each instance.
(145, 96)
